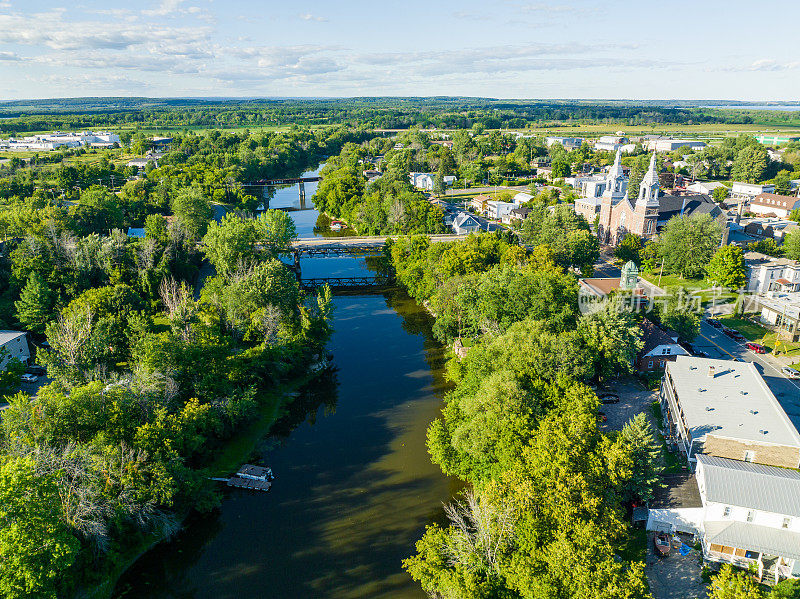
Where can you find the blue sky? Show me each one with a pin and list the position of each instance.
(703, 49)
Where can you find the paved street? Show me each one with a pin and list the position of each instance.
(787, 391)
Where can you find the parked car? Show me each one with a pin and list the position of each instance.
(714, 323)
(608, 398)
(36, 369)
(734, 334)
(756, 347)
(696, 351)
(790, 372)
(29, 378)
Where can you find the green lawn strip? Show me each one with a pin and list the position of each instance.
(751, 330)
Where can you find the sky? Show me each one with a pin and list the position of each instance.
(699, 49)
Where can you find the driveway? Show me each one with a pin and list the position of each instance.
(786, 390)
(675, 576)
(633, 398)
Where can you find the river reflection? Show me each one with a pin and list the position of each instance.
(354, 488)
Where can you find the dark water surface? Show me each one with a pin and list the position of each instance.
(355, 486)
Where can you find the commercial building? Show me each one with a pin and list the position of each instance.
(776, 139)
(569, 143)
(781, 310)
(610, 143)
(668, 145)
(773, 204)
(725, 409)
(767, 273)
(747, 191)
(58, 139)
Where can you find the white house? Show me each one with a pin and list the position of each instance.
(773, 203)
(522, 198)
(781, 310)
(766, 273)
(747, 191)
(496, 209)
(751, 516)
(15, 344)
(706, 187)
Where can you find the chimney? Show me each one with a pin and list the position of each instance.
(711, 371)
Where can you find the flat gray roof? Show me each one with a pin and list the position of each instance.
(764, 488)
(735, 402)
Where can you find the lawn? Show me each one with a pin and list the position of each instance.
(755, 332)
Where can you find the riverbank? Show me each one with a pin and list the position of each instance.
(235, 452)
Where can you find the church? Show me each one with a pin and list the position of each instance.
(650, 211)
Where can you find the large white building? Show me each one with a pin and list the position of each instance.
(766, 273)
(774, 204)
(58, 139)
(747, 191)
(667, 145)
(610, 143)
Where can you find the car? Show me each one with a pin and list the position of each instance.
(734, 334)
(608, 398)
(696, 351)
(714, 323)
(35, 369)
(756, 348)
(790, 372)
(29, 378)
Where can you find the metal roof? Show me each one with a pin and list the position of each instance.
(734, 403)
(7, 336)
(763, 488)
(744, 535)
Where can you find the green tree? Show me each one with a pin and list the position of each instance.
(766, 246)
(795, 215)
(561, 168)
(11, 370)
(720, 194)
(791, 245)
(687, 244)
(438, 185)
(193, 210)
(613, 339)
(36, 547)
(786, 589)
(750, 164)
(637, 441)
(629, 248)
(680, 314)
(730, 584)
(727, 267)
(35, 304)
(584, 250)
(155, 227)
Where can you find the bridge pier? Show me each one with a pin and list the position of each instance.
(297, 272)
(302, 196)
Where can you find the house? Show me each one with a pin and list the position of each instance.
(659, 347)
(782, 309)
(770, 228)
(465, 223)
(15, 344)
(747, 191)
(496, 209)
(725, 409)
(425, 181)
(569, 143)
(479, 203)
(751, 516)
(668, 145)
(520, 213)
(522, 198)
(773, 203)
(767, 273)
(705, 187)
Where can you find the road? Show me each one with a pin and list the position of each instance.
(787, 391)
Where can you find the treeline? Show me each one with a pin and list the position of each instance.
(389, 205)
(543, 515)
(389, 113)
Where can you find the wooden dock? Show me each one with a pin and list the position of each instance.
(249, 483)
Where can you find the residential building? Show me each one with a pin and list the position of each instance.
(520, 213)
(782, 309)
(465, 223)
(747, 191)
(725, 409)
(668, 145)
(425, 181)
(705, 187)
(496, 209)
(773, 204)
(751, 516)
(767, 273)
(610, 143)
(15, 344)
(588, 207)
(522, 198)
(479, 203)
(769, 228)
(659, 347)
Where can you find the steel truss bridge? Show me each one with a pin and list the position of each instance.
(347, 283)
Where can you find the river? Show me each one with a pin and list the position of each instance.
(354, 485)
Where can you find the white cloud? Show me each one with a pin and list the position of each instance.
(768, 64)
(9, 57)
(310, 17)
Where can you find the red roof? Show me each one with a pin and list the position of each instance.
(783, 281)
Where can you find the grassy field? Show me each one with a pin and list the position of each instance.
(755, 332)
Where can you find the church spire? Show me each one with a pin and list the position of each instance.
(649, 187)
(616, 169)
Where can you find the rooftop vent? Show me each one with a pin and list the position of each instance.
(743, 392)
(763, 432)
(754, 412)
(701, 390)
(711, 371)
(709, 409)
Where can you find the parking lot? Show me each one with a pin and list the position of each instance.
(633, 398)
(675, 576)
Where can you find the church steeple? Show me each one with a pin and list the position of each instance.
(616, 187)
(649, 187)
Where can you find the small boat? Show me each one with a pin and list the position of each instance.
(337, 226)
(662, 544)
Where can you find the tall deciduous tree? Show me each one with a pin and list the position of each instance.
(750, 164)
(192, 208)
(687, 243)
(35, 304)
(791, 245)
(730, 584)
(727, 267)
(629, 249)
